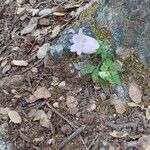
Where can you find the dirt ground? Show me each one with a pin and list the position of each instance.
(95, 126)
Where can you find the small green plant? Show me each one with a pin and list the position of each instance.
(107, 70)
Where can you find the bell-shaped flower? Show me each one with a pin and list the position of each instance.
(83, 44)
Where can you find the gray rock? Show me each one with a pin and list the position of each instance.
(6, 68)
(4, 143)
(64, 42)
(128, 22)
(45, 12)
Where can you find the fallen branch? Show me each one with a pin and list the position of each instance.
(70, 137)
(58, 113)
(93, 141)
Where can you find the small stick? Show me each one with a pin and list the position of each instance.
(93, 141)
(5, 47)
(31, 66)
(54, 110)
(121, 126)
(70, 137)
(83, 142)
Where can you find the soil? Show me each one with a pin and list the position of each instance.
(99, 123)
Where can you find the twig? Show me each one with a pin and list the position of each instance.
(121, 126)
(31, 67)
(14, 23)
(54, 110)
(83, 142)
(93, 141)
(5, 47)
(70, 137)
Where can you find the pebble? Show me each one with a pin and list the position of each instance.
(103, 96)
(91, 107)
(73, 111)
(55, 81)
(66, 129)
(34, 70)
(45, 12)
(50, 141)
(44, 22)
(56, 104)
(71, 102)
(37, 140)
(62, 84)
(6, 68)
(62, 98)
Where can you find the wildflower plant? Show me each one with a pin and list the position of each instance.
(106, 70)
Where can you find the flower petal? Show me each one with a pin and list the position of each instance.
(76, 48)
(90, 45)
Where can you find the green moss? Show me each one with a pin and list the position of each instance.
(134, 69)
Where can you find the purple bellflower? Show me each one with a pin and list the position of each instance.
(83, 44)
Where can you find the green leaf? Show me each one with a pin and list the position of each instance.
(95, 75)
(106, 65)
(107, 54)
(86, 69)
(105, 75)
(115, 77)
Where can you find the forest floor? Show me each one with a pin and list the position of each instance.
(59, 111)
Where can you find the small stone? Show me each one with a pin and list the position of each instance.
(34, 70)
(44, 22)
(13, 91)
(62, 98)
(66, 129)
(37, 140)
(74, 110)
(62, 84)
(56, 104)
(78, 114)
(50, 141)
(91, 107)
(103, 96)
(6, 69)
(15, 49)
(55, 81)
(71, 102)
(45, 12)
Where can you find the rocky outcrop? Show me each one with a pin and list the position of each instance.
(129, 24)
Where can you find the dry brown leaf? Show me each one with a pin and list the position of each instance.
(118, 103)
(39, 114)
(19, 63)
(42, 92)
(4, 111)
(135, 93)
(71, 102)
(43, 118)
(119, 134)
(30, 27)
(59, 14)
(14, 116)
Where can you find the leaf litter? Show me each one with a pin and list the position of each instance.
(35, 77)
